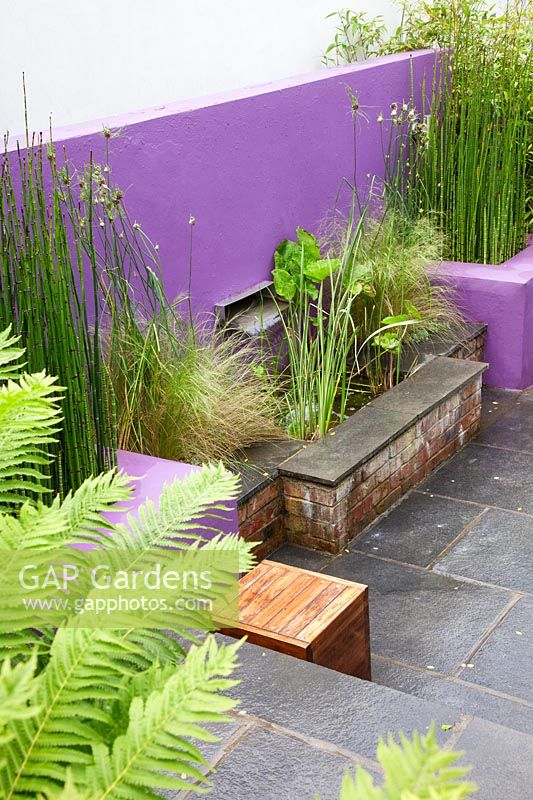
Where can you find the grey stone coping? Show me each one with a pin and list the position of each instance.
(261, 465)
(334, 457)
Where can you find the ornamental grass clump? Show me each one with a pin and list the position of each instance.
(189, 395)
(385, 264)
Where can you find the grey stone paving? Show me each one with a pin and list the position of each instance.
(449, 571)
(419, 530)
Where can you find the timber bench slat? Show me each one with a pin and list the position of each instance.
(306, 614)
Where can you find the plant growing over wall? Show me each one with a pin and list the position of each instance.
(466, 157)
(138, 698)
(356, 37)
(473, 170)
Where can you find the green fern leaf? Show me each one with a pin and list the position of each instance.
(154, 753)
(9, 354)
(182, 505)
(421, 767)
(416, 769)
(29, 415)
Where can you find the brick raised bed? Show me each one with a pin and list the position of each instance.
(323, 493)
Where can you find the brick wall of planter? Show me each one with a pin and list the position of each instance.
(261, 518)
(326, 518)
(322, 494)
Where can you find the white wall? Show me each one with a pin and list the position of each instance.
(89, 59)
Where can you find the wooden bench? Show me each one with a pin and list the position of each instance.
(305, 614)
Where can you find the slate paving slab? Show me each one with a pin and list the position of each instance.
(498, 549)
(458, 696)
(486, 475)
(269, 766)
(418, 617)
(347, 712)
(495, 403)
(514, 430)
(302, 557)
(502, 761)
(505, 660)
(417, 529)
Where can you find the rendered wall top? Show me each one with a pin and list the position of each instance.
(149, 477)
(249, 165)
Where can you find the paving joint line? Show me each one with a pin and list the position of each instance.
(426, 571)
(504, 449)
(468, 527)
(233, 742)
(430, 493)
(457, 731)
(488, 632)
(312, 741)
(451, 679)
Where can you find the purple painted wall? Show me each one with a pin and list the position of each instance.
(501, 296)
(249, 165)
(152, 474)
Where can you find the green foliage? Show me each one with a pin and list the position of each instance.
(182, 391)
(88, 713)
(348, 316)
(17, 691)
(385, 264)
(413, 770)
(299, 266)
(356, 37)
(46, 285)
(467, 157)
(29, 417)
(473, 170)
(160, 726)
(188, 395)
(73, 727)
(320, 351)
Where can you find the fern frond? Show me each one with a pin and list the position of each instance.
(9, 354)
(29, 415)
(85, 669)
(182, 505)
(422, 767)
(69, 792)
(360, 787)
(417, 769)
(154, 753)
(17, 688)
(37, 526)
(84, 509)
(83, 685)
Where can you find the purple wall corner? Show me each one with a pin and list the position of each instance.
(151, 476)
(502, 297)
